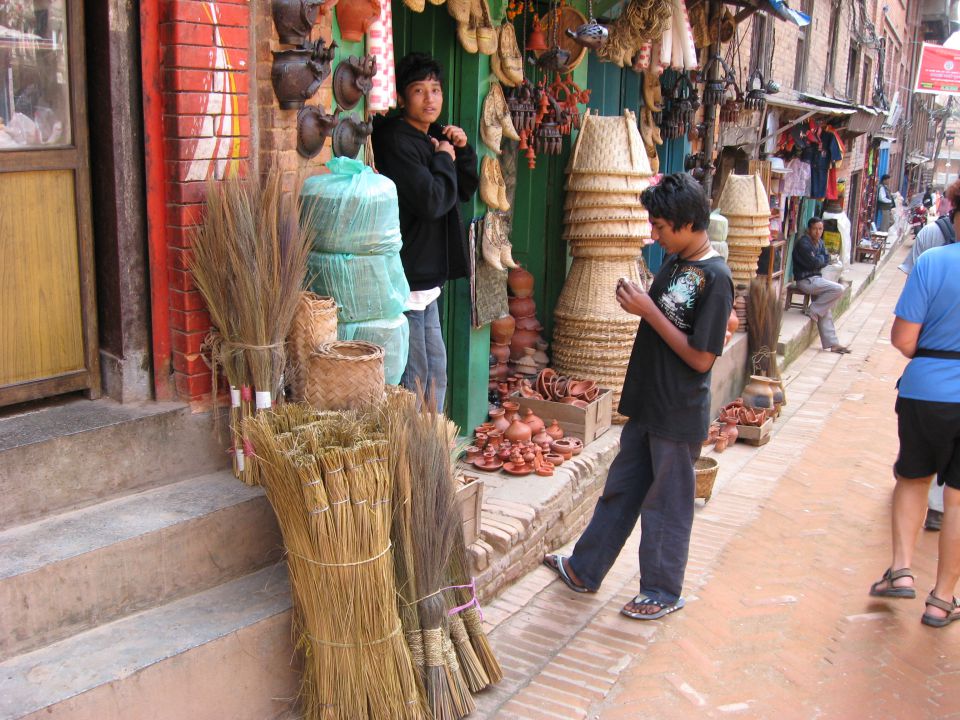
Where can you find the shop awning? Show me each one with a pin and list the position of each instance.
(784, 101)
(863, 119)
(916, 158)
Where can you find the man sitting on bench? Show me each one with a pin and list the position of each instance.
(809, 258)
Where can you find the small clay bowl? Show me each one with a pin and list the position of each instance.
(545, 471)
(553, 458)
(473, 452)
(576, 445)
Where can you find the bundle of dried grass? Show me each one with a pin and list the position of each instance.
(764, 315)
(331, 490)
(250, 262)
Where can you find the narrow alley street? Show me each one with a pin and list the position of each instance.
(778, 622)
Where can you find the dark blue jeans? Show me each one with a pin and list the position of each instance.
(651, 479)
(427, 361)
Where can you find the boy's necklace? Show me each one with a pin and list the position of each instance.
(700, 251)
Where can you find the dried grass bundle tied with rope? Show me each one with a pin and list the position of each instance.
(764, 316)
(327, 476)
(250, 262)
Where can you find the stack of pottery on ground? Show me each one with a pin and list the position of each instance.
(606, 227)
(748, 418)
(516, 347)
(520, 444)
(745, 204)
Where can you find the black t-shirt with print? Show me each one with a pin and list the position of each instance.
(662, 392)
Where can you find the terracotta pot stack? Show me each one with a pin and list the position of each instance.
(515, 342)
(745, 204)
(607, 227)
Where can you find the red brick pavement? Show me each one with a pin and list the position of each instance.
(778, 622)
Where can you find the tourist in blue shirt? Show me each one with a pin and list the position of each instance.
(927, 330)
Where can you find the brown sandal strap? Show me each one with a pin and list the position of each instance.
(892, 574)
(947, 607)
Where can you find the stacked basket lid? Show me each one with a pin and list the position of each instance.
(606, 227)
(745, 204)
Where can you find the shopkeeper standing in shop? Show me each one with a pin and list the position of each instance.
(434, 169)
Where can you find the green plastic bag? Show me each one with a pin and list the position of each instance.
(392, 334)
(366, 287)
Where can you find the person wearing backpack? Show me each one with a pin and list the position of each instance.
(934, 235)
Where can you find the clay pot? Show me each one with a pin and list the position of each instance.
(297, 74)
(500, 352)
(501, 329)
(535, 423)
(473, 452)
(545, 471)
(776, 387)
(494, 438)
(355, 17)
(518, 432)
(520, 282)
(554, 431)
(498, 420)
(294, 19)
(541, 438)
(521, 307)
(529, 323)
(314, 126)
(353, 79)
(480, 440)
(511, 409)
(540, 358)
(500, 371)
(730, 432)
(522, 339)
(757, 393)
(576, 444)
(553, 458)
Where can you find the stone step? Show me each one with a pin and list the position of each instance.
(73, 454)
(222, 653)
(70, 572)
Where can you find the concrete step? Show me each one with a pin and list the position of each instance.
(72, 454)
(222, 653)
(73, 571)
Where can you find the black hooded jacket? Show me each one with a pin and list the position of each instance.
(430, 187)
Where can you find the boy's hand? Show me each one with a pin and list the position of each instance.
(634, 299)
(443, 146)
(455, 135)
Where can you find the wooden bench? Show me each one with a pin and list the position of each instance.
(867, 254)
(803, 303)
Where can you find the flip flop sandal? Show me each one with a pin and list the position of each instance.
(951, 608)
(664, 609)
(558, 567)
(891, 590)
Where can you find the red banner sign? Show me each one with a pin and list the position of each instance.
(939, 70)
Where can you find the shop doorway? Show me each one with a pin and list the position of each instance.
(48, 336)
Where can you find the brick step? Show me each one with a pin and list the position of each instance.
(67, 573)
(73, 454)
(222, 653)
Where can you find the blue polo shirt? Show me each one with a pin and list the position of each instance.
(931, 297)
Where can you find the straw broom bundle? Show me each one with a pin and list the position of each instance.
(333, 506)
(434, 525)
(764, 315)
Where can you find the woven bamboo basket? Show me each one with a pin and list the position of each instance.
(593, 214)
(627, 229)
(744, 195)
(606, 183)
(751, 243)
(344, 375)
(744, 237)
(612, 329)
(591, 249)
(705, 469)
(600, 198)
(609, 145)
(314, 323)
(602, 340)
(589, 292)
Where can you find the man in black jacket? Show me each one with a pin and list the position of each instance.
(434, 169)
(809, 258)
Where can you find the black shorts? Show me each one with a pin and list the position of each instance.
(929, 440)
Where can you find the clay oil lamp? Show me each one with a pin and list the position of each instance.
(563, 448)
(473, 453)
(553, 458)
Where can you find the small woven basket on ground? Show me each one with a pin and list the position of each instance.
(314, 323)
(345, 374)
(705, 470)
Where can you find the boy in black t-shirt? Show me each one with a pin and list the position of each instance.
(666, 395)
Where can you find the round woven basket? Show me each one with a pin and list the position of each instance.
(754, 242)
(593, 214)
(744, 195)
(748, 234)
(705, 469)
(609, 145)
(589, 182)
(750, 225)
(344, 374)
(637, 229)
(600, 198)
(603, 250)
(590, 290)
(314, 323)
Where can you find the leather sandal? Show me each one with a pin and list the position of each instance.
(952, 609)
(892, 590)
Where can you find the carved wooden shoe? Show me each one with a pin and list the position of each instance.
(467, 35)
(488, 247)
(487, 39)
(489, 171)
(509, 55)
(459, 10)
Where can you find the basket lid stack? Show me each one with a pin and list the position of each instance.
(607, 227)
(745, 204)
